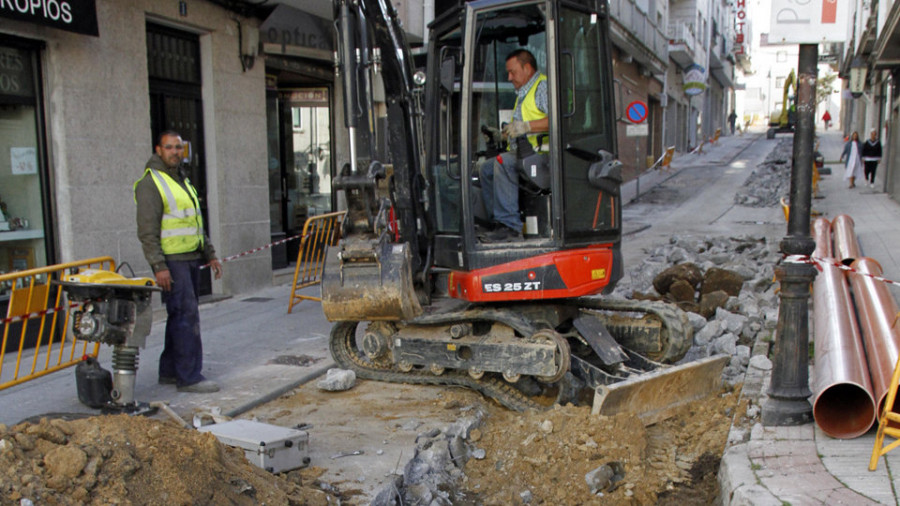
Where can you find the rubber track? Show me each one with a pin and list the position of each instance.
(342, 344)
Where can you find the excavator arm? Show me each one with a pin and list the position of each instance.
(385, 248)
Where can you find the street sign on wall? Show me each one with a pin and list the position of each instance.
(636, 111)
(809, 21)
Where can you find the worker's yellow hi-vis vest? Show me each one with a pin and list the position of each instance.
(530, 111)
(181, 229)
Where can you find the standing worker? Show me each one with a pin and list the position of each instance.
(871, 155)
(500, 180)
(170, 228)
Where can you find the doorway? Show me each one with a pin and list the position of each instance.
(176, 104)
(300, 162)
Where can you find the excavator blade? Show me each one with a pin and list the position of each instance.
(366, 280)
(656, 395)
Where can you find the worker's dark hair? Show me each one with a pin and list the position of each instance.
(524, 56)
(172, 133)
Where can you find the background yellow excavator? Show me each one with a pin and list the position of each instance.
(783, 121)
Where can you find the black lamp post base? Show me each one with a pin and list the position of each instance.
(786, 412)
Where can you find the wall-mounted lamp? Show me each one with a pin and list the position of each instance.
(248, 45)
(858, 71)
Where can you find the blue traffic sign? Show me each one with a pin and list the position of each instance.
(636, 111)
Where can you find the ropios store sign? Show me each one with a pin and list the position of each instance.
(79, 16)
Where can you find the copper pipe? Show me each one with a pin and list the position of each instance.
(876, 308)
(822, 235)
(846, 247)
(844, 407)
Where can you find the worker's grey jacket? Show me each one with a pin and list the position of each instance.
(149, 219)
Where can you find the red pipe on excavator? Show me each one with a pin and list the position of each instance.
(844, 407)
(822, 236)
(846, 247)
(876, 308)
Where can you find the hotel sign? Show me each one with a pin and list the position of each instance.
(79, 16)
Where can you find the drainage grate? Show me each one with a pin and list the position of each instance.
(256, 299)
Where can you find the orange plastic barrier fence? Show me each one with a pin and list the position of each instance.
(318, 233)
(35, 329)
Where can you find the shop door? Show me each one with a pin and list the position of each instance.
(176, 104)
(300, 162)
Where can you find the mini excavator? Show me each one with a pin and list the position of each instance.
(415, 293)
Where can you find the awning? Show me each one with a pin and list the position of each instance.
(79, 16)
(887, 49)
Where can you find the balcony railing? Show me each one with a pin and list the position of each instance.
(636, 21)
(682, 33)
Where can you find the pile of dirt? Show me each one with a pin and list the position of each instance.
(543, 457)
(135, 460)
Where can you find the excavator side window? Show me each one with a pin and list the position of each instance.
(446, 172)
(492, 97)
(590, 212)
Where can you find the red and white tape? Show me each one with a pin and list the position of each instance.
(43, 312)
(254, 250)
(816, 261)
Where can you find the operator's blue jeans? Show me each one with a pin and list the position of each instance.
(182, 356)
(500, 190)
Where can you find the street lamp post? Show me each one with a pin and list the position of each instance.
(787, 402)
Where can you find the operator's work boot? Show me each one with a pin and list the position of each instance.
(504, 234)
(201, 387)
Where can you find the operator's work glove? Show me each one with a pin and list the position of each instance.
(516, 129)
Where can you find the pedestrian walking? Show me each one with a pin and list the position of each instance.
(170, 228)
(851, 159)
(826, 118)
(731, 119)
(871, 155)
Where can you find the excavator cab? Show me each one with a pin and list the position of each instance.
(568, 185)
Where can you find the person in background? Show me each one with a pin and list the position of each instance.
(826, 118)
(170, 228)
(851, 159)
(871, 155)
(731, 119)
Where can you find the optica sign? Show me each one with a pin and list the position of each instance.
(79, 16)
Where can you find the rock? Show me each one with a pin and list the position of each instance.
(603, 477)
(705, 335)
(697, 321)
(722, 279)
(732, 322)
(526, 496)
(687, 272)
(681, 291)
(725, 344)
(478, 454)
(710, 302)
(547, 427)
(760, 362)
(337, 380)
(65, 462)
(689, 307)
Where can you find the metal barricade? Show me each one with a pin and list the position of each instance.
(319, 232)
(35, 328)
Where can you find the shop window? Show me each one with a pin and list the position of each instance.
(24, 240)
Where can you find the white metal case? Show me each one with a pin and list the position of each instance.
(273, 448)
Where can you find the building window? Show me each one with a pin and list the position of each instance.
(24, 203)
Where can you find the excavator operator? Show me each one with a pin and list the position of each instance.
(500, 180)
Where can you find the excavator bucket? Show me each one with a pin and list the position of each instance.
(365, 280)
(657, 395)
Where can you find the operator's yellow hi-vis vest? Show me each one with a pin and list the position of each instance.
(530, 111)
(181, 229)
